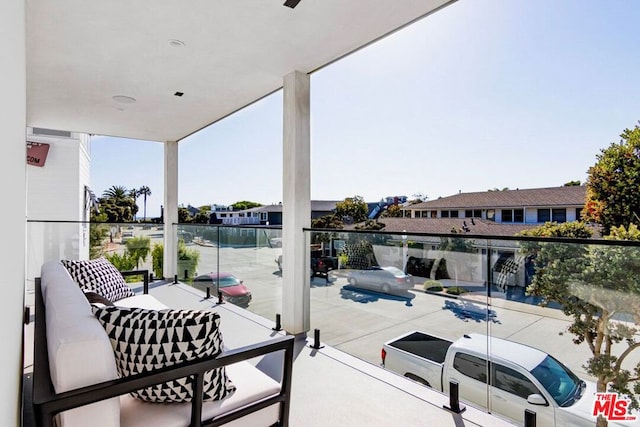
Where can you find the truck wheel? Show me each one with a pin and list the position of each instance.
(417, 379)
(353, 281)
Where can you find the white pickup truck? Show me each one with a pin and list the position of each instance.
(513, 378)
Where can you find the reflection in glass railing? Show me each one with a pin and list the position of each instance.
(239, 263)
(557, 319)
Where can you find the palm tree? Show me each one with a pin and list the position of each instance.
(144, 191)
(117, 192)
(133, 193)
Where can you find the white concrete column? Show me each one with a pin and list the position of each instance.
(296, 203)
(13, 164)
(170, 256)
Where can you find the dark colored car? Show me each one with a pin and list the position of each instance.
(383, 279)
(233, 289)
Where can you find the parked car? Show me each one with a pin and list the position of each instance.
(233, 289)
(383, 279)
(516, 377)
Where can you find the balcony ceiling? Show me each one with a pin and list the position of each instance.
(221, 54)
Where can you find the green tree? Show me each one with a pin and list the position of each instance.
(123, 262)
(575, 183)
(138, 247)
(183, 215)
(187, 259)
(97, 236)
(118, 205)
(595, 285)
(613, 183)
(145, 192)
(354, 207)
(327, 221)
(245, 204)
(393, 211)
(201, 218)
(116, 192)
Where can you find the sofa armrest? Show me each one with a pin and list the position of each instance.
(143, 273)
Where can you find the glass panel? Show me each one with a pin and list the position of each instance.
(549, 310)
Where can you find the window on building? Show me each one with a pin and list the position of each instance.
(544, 215)
(473, 213)
(434, 214)
(578, 214)
(444, 214)
(491, 214)
(518, 215)
(454, 214)
(471, 366)
(223, 215)
(512, 215)
(559, 215)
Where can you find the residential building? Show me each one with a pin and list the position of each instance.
(519, 206)
(272, 214)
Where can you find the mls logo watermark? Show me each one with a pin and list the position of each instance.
(612, 407)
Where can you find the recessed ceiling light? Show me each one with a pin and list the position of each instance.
(176, 43)
(123, 99)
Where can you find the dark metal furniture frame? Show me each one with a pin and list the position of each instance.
(47, 403)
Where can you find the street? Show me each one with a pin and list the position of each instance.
(358, 322)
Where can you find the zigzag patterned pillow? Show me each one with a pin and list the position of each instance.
(99, 276)
(144, 340)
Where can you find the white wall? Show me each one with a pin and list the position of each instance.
(55, 192)
(13, 154)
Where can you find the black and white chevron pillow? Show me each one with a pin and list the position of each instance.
(144, 340)
(99, 276)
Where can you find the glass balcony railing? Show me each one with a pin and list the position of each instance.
(246, 259)
(515, 324)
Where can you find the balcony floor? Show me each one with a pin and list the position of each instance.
(329, 387)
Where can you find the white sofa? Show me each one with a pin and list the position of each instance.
(74, 365)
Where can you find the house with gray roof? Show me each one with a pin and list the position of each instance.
(272, 214)
(519, 206)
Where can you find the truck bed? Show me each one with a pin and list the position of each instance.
(423, 345)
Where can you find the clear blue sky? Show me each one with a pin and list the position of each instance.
(482, 94)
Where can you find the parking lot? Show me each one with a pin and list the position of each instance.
(359, 321)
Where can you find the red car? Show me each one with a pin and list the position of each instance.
(233, 289)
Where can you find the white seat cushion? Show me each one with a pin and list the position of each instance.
(251, 385)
